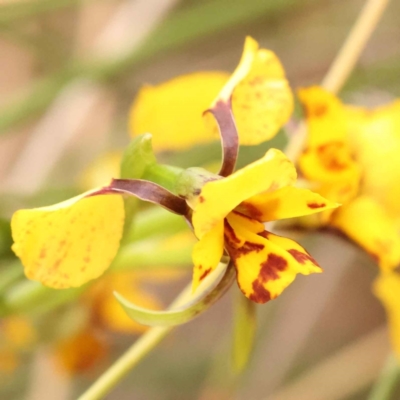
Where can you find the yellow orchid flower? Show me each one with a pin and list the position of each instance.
(350, 157)
(229, 213)
(17, 335)
(172, 111)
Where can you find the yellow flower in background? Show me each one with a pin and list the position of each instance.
(374, 137)
(229, 213)
(350, 157)
(386, 289)
(17, 335)
(172, 111)
(81, 351)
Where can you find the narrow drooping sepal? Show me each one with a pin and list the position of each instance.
(222, 112)
(147, 191)
(211, 289)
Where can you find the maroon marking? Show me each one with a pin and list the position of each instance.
(260, 295)
(302, 258)
(202, 199)
(263, 234)
(270, 267)
(222, 112)
(205, 273)
(230, 233)
(315, 205)
(250, 210)
(249, 247)
(317, 110)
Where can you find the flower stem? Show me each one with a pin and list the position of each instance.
(132, 357)
(387, 381)
(353, 46)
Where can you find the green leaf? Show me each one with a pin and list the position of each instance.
(209, 291)
(245, 325)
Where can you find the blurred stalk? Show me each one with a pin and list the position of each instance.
(179, 30)
(344, 63)
(355, 43)
(388, 380)
(133, 355)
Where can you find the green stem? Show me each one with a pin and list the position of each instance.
(387, 381)
(164, 175)
(132, 357)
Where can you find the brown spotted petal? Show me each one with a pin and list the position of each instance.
(266, 264)
(147, 191)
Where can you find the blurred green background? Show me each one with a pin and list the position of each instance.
(69, 71)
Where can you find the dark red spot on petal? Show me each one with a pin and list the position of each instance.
(260, 294)
(302, 258)
(271, 267)
(315, 205)
(264, 234)
(202, 199)
(205, 273)
(230, 233)
(250, 210)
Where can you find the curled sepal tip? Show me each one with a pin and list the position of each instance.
(222, 112)
(147, 191)
(211, 289)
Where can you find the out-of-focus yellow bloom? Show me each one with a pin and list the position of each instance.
(229, 212)
(387, 289)
(172, 112)
(81, 351)
(17, 335)
(374, 137)
(350, 157)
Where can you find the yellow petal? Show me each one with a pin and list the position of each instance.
(207, 253)
(220, 197)
(19, 332)
(374, 136)
(262, 100)
(70, 243)
(265, 267)
(325, 116)
(330, 163)
(172, 111)
(286, 202)
(367, 223)
(387, 289)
